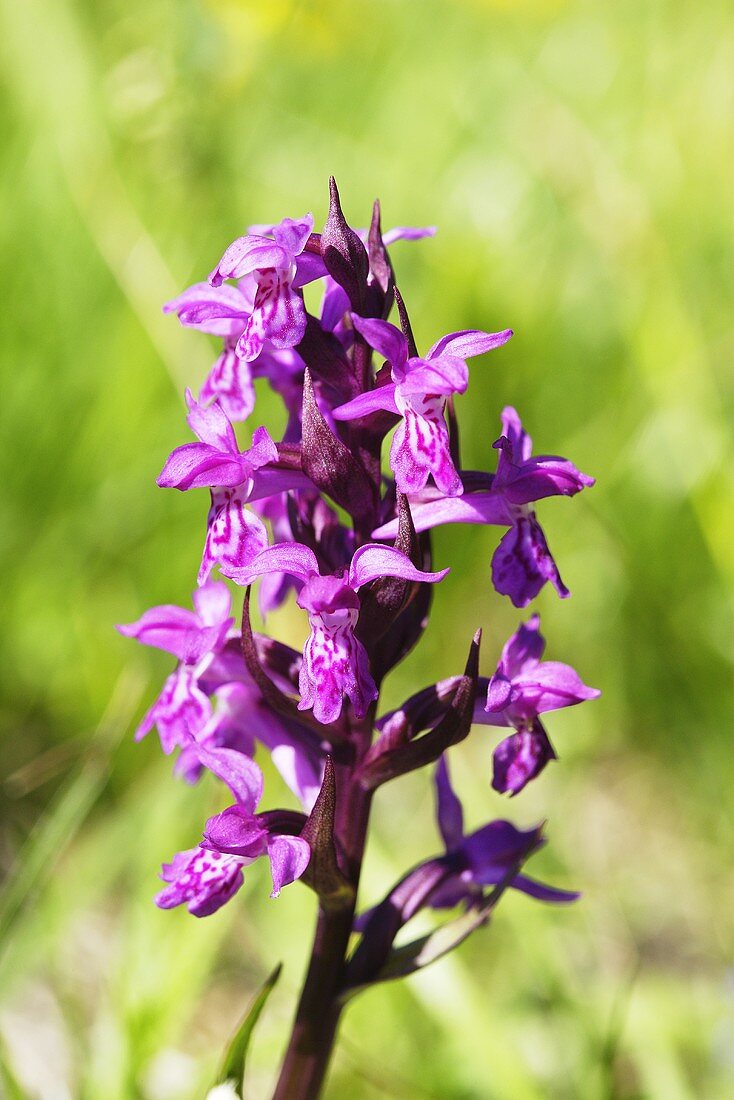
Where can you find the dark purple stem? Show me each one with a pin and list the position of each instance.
(317, 1016)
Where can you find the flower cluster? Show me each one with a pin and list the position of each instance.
(315, 517)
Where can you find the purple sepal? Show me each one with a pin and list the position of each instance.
(238, 833)
(188, 635)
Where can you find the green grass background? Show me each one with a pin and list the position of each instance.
(577, 158)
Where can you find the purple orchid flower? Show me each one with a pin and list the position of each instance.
(522, 563)
(278, 266)
(522, 688)
(206, 877)
(182, 709)
(335, 662)
(235, 535)
(484, 857)
(418, 393)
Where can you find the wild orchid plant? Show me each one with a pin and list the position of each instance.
(366, 586)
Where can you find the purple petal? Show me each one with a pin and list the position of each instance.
(220, 311)
(198, 465)
(383, 397)
(374, 560)
(235, 535)
(385, 338)
(246, 254)
(213, 603)
(290, 557)
(268, 482)
(542, 892)
(468, 343)
(291, 234)
(485, 507)
(239, 772)
(279, 316)
(166, 627)
(492, 851)
(523, 649)
(448, 808)
(235, 832)
(499, 693)
(446, 374)
(289, 857)
(521, 445)
(229, 382)
(408, 233)
(334, 305)
(309, 267)
(522, 563)
(551, 685)
(180, 712)
(210, 424)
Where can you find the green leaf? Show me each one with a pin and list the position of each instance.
(233, 1065)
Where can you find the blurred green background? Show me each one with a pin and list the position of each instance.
(577, 160)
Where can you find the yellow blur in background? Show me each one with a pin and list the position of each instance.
(577, 160)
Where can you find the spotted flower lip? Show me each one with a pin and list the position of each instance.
(278, 266)
(335, 662)
(418, 393)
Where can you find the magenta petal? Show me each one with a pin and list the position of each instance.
(289, 858)
(309, 267)
(239, 772)
(385, 339)
(292, 233)
(229, 382)
(166, 627)
(468, 343)
(235, 535)
(285, 557)
(220, 311)
(520, 758)
(210, 424)
(197, 465)
(235, 832)
(446, 374)
(374, 560)
(246, 254)
(484, 507)
(522, 563)
(552, 685)
(213, 603)
(499, 693)
(408, 233)
(383, 397)
(523, 649)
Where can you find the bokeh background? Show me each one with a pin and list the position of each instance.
(577, 159)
